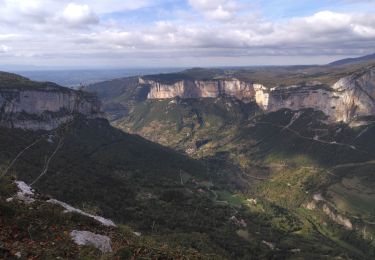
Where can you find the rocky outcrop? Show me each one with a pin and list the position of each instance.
(338, 218)
(349, 98)
(69, 208)
(319, 202)
(201, 89)
(318, 97)
(87, 238)
(45, 109)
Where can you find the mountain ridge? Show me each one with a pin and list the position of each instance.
(349, 97)
(366, 58)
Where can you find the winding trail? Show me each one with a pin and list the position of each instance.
(346, 165)
(45, 169)
(19, 155)
(311, 139)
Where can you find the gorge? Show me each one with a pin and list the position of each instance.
(350, 97)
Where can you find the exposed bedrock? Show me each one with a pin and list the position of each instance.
(348, 98)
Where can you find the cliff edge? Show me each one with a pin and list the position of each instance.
(41, 105)
(350, 97)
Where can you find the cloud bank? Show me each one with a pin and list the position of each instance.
(118, 32)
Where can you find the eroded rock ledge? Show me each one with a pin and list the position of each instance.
(350, 97)
(200, 89)
(44, 109)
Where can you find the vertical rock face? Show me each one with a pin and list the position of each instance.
(357, 95)
(262, 96)
(300, 97)
(44, 108)
(350, 97)
(200, 89)
(238, 89)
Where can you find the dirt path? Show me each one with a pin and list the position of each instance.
(19, 155)
(353, 164)
(45, 169)
(287, 127)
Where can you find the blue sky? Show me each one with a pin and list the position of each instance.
(180, 33)
(272, 9)
(281, 9)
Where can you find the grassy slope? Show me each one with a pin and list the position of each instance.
(119, 96)
(133, 181)
(294, 164)
(41, 231)
(14, 81)
(181, 122)
(128, 179)
(287, 166)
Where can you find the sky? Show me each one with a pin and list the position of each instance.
(183, 33)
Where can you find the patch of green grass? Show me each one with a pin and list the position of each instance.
(352, 197)
(10, 81)
(232, 199)
(291, 187)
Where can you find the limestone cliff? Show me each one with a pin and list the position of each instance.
(350, 97)
(43, 108)
(200, 89)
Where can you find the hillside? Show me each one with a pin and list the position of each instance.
(14, 81)
(244, 183)
(284, 157)
(352, 61)
(318, 87)
(41, 230)
(119, 176)
(315, 169)
(119, 96)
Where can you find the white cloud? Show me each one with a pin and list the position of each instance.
(364, 31)
(306, 34)
(4, 48)
(221, 10)
(68, 29)
(41, 11)
(31, 11)
(78, 15)
(108, 6)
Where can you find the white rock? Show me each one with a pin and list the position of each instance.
(82, 238)
(311, 205)
(269, 244)
(252, 201)
(24, 188)
(36, 101)
(25, 193)
(69, 208)
(348, 98)
(338, 218)
(200, 89)
(318, 197)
